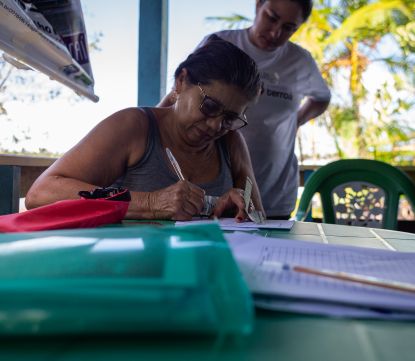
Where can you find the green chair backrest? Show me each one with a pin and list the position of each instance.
(358, 192)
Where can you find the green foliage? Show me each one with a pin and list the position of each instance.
(367, 20)
(343, 121)
(361, 31)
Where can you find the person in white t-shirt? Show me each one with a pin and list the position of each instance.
(294, 92)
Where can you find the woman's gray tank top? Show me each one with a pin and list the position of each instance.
(152, 173)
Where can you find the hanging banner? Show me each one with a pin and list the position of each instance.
(49, 36)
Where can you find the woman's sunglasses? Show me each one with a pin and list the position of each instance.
(212, 109)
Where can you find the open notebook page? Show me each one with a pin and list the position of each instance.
(252, 252)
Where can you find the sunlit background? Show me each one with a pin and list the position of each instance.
(57, 124)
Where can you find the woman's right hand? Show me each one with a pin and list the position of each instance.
(179, 202)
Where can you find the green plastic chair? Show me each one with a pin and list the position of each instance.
(358, 192)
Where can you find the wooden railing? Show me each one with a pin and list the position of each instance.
(17, 173)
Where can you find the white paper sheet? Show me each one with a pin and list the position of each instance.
(229, 224)
(251, 251)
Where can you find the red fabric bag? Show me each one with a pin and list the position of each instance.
(75, 213)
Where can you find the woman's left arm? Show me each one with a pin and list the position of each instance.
(241, 167)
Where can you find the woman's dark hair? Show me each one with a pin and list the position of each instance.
(306, 7)
(220, 60)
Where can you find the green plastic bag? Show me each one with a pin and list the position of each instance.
(112, 280)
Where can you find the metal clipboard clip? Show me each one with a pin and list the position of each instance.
(253, 214)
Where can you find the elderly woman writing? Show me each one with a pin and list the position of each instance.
(213, 88)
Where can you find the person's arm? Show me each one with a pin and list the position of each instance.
(180, 201)
(96, 161)
(310, 109)
(100, 158)
(167, 101)
(241, 168)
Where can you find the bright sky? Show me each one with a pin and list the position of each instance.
(59, 124)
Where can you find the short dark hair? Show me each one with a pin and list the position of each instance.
(306, 7)
(220, 60)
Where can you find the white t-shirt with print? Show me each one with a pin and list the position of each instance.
(289, 73)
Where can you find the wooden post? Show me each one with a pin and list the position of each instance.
(152, 51)
(9, 189)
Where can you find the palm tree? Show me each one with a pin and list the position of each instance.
(346, 40)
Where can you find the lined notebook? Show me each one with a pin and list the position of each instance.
(278, 287)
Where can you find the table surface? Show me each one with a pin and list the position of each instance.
(276, 336)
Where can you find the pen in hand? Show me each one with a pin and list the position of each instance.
(209, 201)
(175, 165)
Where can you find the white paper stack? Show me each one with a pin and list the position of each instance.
(288, 290)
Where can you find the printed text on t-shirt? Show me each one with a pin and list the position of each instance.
(279, 94)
